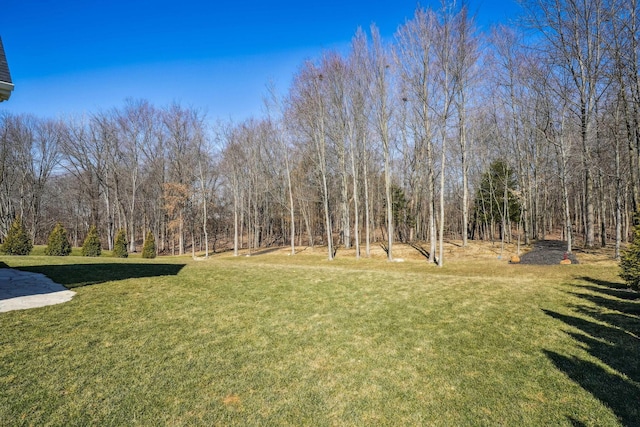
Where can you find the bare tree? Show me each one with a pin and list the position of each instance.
(84, 156)
(135, 123)
(576, 44)
(465, 58)
(29, 152)
(447, 89)
(206, 178)
(557, 131)
(357, 112)
(380, 96)
(281, 137)
(336, 75)
(511, 70)
(183, 128)
(233, 161)
(415, 57)
(309, 105)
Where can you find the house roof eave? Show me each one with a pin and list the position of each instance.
(5, 91)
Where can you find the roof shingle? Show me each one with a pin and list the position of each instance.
(4, 67)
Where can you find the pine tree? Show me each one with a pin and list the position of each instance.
(496, 201)
(490, 197)
(403, 220)
(58, 244)
(149, 248)
(120, 245)
(17, 241)
(630, 260)
(91, 245)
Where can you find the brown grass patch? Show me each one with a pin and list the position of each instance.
(418, 251)
(232, 400)
(475, 250)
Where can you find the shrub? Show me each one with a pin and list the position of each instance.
(630, 260)
(58, 244)
(149, 248)
(120, 245)
(17, 241)
(91, 245)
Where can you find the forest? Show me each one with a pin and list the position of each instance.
(442, 132)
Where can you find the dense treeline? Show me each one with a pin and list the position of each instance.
(442, 132)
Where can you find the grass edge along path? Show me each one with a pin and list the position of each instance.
(302, 341)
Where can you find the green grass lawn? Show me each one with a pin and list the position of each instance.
(278, 340)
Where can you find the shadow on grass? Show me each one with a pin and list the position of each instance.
(604, 284)
(422, 251)
(614, 289)
(384, 248)
(608, 325)
(614, 391)
(576, 423)
(78, 275)
(265, 251)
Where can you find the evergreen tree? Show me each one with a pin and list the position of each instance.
(91, 245)
(630, 260)
(58, 244)
(490, 205)
(402, 218)
(149, 248)
(17, 241)
(120, 245)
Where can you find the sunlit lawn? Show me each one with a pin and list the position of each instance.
(279, 340)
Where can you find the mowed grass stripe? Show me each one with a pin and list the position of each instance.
(271, 340)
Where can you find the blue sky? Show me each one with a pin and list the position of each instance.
(74, 57)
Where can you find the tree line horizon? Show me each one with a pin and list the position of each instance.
(443, 131)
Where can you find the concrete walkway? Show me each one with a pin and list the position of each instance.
(20, 290)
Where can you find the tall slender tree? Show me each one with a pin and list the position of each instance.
(379, 67)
